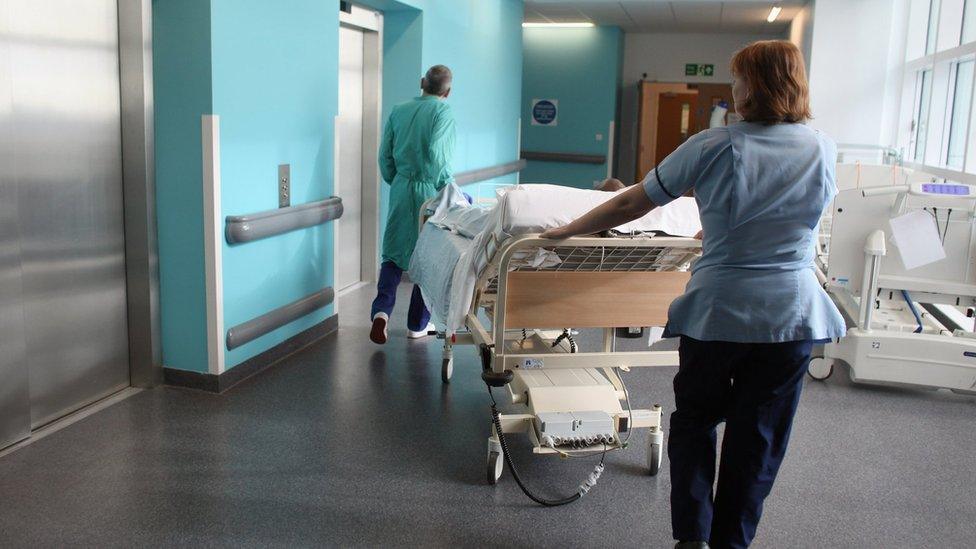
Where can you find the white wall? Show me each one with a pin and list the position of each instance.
(662, 57)
(849, 69)
(894, 85)
(801, 31)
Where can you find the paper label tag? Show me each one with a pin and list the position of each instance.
(917, 238)
(656, 334)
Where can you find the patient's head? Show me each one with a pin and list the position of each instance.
(611, 185)
(769, 83)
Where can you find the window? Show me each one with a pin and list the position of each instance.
(934, 116)
(922, 114)
(968, 22)
(961, 99)
(918, 23)
(933, 29)
(950, 24)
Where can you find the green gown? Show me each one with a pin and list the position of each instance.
(415, 159)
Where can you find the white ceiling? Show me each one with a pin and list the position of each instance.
(709, 16)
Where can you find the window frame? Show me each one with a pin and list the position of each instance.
(943, 67)
(951, 112)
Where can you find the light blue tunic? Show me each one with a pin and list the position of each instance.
(761, 191)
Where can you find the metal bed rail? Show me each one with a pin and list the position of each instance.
(887, 155)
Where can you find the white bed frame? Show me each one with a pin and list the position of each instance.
(606, 283)
(866, 277)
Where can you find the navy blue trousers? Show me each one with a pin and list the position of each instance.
(417, 315)
(754, 388)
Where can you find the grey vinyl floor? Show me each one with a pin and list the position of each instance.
(349, 444)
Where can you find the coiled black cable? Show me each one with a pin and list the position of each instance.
(496, 420)
(567, 335)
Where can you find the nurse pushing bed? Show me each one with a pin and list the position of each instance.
(753, 307)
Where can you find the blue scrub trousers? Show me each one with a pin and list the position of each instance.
(754, 388)
(417, 315)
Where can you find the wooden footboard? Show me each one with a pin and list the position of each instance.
(547, 300)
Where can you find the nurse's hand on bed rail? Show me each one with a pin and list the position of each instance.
(623, 208)
(555, 234)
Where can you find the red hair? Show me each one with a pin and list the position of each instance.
(774, 73)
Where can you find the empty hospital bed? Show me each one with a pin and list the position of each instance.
(492, 282)
(856, 172)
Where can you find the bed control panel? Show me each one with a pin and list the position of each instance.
(575, 428)
(949, 190)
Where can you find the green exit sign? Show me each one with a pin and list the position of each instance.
(696, 69)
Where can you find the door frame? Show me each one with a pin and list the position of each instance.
(370, 22)
(648, 97)
(139, 192)
(645, 146)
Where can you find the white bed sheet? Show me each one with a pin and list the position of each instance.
(534, 208)
(448, 267)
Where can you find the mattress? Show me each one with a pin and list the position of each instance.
(458, 241)
(534, 208)
(525, 209)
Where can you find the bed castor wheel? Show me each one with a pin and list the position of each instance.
(447, 369)
(485, 353)
(820, 368)
(495, 463)
(495, 467)
(497, 379)
(655, 451)
(654, 459)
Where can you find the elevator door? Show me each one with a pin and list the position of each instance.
(349, 186)
(62, 264)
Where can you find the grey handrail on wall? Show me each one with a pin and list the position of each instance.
(276, 318)
(565, 157)
(246, 228)
(491, 172)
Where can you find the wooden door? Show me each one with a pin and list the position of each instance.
(710, 95)
(647, 123)
(676, 121)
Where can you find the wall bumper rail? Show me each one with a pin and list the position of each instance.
(274, 319)
(565, 157)
(246, 228)
(491, 172)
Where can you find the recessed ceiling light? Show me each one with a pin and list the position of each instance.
(565, 25)
(773, 14)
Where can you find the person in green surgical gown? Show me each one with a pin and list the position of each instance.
(415, 159)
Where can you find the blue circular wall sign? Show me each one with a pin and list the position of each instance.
(544, 112)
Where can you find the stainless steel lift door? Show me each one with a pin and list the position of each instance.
(62, 263)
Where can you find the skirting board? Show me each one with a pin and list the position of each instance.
(214, 383)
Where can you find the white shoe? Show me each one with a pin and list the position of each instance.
(377, 333)
(423, 333)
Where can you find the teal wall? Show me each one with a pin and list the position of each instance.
(403, 45)
(269, 70)
(481, 41)
(275, 88)
(581, 68)
(182, 92)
